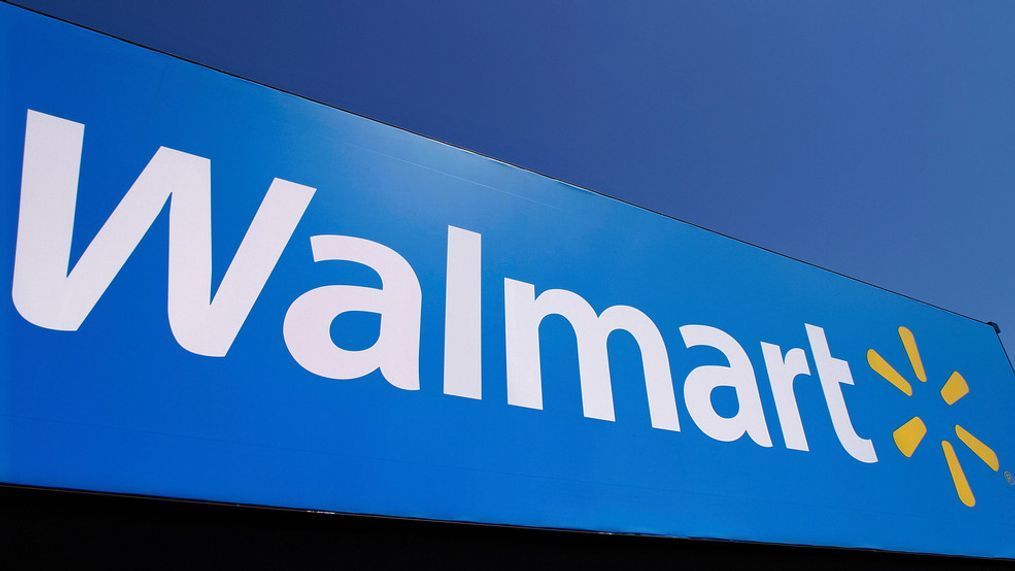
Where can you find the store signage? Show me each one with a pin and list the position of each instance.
(223, 292)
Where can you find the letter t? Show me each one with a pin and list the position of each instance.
(832, 373)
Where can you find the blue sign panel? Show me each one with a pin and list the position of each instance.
(222, 292)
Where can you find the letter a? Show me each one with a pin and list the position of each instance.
(307, 326)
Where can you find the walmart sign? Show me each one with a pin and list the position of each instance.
(226, 293)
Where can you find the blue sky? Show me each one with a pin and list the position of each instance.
(875, 139)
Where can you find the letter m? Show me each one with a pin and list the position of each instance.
(50, 294)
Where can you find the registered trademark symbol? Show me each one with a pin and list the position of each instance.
(1009, 477)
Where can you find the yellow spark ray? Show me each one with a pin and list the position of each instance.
(983, 451)
(908, 436)
(954, 389)
(958, 476)
(914, 354)
(887, 372)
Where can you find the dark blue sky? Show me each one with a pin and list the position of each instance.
(873, 138)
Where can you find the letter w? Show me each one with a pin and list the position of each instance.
(49, 296)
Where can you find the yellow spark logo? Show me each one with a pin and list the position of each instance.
(909, 435)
